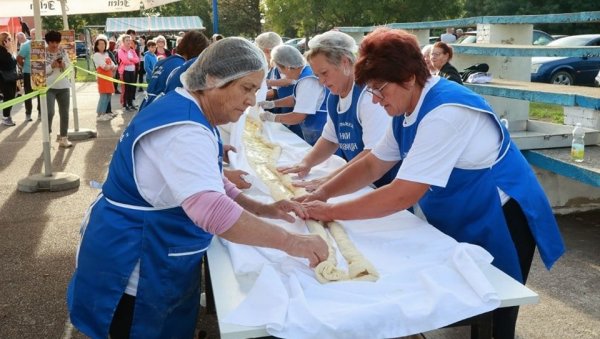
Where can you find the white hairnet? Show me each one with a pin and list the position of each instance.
(333, 40)
(268, 40)
(222, 62)
(287, 56)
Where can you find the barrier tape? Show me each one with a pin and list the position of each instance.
(105, 77)
(66, 72)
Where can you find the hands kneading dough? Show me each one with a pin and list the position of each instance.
(262, 156)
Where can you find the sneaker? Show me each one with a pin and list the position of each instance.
(64, 142)
(7, 121)
(28, 117)
(104, 117)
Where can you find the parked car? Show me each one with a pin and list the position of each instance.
(80, 49)
(597, 80)
(539, 38)
(568, 70)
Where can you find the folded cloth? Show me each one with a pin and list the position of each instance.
(479, 78)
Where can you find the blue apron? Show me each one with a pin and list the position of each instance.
(469, 207)
(349, 131)
(158, 81)
(312, 126)
(286, 91)
(174, 79)
(123, 229)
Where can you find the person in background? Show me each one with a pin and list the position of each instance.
(138, 264)
(458, 163)
(426, 50)
(104, 66)
(174, 49)
(266, 42)
(24, 59)
(354, 123)
(162, 51)
(57, 61)
(25, 28)
(8, 64)
(459, 32)
(128, 59)
(441, 54)
(21, 39)
(216, 37)
(150, 59)
(449, 36)
(194, 45)
(142, 69)
(309, 97)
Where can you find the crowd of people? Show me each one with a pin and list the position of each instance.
(395, 112)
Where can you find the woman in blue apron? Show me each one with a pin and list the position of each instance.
(354, 123)
(138, 264)
(458, 163)
(308, 99)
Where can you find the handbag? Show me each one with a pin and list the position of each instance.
(11, 75)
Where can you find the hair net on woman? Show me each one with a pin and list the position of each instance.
(222, 62)
(268, 40)
(333, 44)
(287, 56)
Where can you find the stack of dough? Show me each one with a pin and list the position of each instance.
(262, 156)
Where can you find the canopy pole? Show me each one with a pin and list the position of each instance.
(47, 181)
(74, 134)
(215, 9)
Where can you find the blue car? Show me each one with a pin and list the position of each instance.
(568, 70)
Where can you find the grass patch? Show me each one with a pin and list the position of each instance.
(83, 76)
(546, 112)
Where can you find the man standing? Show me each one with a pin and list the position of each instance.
(24, 60)
(449, 36)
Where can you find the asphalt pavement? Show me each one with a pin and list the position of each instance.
(39, 233)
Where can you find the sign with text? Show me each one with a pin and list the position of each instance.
(38, 64)
(52, 7)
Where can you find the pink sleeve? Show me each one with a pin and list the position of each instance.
(231, 189)
(212, 211)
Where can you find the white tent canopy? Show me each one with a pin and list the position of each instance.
(12, 8)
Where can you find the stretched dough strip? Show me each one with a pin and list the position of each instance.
(262, 157)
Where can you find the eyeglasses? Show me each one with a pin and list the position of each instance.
(436, 54)
(377, 91)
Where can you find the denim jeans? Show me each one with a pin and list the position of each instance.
(103, 103)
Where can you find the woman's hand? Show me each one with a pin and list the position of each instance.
(310, 185)
(318, 210)
(301, 168)
(316, 195)
(280, 210)
(237, 178)
(310, 246)
(226, 149)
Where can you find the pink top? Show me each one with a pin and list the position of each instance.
(214, 212)
(126, 58)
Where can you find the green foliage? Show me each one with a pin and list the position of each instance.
(309, 17)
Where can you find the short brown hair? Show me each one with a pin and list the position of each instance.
(192, 44)
(445, 47)
(390, 55)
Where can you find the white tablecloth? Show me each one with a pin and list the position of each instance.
(427, 279)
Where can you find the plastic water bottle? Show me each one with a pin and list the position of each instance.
(578, 145)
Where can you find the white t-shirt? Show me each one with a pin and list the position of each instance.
(170, 165)
(372, 117)
(448, 137)
(448, 38)
(309, 96)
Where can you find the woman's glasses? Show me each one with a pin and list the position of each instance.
(377, 91)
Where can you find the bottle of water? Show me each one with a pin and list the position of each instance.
(578, 145)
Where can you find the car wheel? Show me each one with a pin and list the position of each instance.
(562, 78)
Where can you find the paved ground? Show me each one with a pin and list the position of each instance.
(39, 235)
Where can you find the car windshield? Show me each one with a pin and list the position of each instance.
(570, 41)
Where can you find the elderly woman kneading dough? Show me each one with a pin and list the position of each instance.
(138, 265)
(458, 163)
